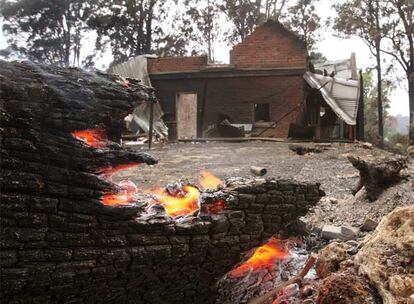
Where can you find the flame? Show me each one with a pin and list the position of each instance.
(183, 201)
(180, 203)
(93, 137)
(209, 181)
(263, 258)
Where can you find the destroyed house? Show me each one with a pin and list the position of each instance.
(263, 89)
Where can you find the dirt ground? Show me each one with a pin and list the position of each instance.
(330, 168)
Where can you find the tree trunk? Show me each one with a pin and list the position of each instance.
(148, 33)
(379, 96)
(411, 106)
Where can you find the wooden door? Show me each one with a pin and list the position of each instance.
(186, 107)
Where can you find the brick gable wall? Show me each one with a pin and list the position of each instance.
(269, 46)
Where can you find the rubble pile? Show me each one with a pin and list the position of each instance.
(376, 270)
(379, 270)
(387, 257)
(62, 243)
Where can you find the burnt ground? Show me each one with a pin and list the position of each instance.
(330, 168)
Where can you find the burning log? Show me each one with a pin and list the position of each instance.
(69, 233)
(56, 125)
(377, 173)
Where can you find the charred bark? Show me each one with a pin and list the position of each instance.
(60, 242)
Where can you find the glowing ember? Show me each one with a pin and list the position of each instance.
(209, 181)
(128, 188)
(93, 137)
(263, 258)
(216, 207)
(181, 203)
(125, 196)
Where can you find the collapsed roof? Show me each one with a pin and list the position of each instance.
(342, 95)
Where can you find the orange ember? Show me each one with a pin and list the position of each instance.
(209, 181)
(180, 204)
(125, 196)
(93, 137)
(216, 207)
(263, 258)
(116, 199)
(128, 188)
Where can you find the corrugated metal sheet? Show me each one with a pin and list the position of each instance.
(134, 68)
(341, 68)
(137, 68)
(341, 95)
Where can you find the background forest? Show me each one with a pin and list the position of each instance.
(81, 33)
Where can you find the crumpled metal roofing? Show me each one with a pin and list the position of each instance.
(341, 68)
(342, 95)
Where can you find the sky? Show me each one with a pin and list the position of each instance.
(332, 47)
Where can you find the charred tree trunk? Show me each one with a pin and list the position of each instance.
(411, 106)
(60, 242)
(379, 95)
(361, 117)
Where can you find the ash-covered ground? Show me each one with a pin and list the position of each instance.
(330, 168)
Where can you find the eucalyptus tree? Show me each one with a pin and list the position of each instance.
(46, 31)
(399, 38)
(364, 18)
(303, 20)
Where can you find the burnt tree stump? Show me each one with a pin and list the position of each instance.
(377, 173)
(61, 244)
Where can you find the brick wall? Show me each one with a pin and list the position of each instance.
(236, 96)
(269, 46)
(174, 64)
